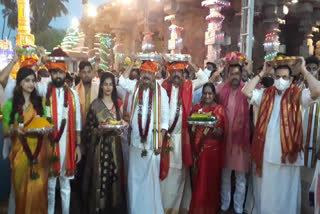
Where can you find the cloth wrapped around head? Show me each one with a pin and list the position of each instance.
(149, 66)
(176, 66)
(29, 61)
(57, 60)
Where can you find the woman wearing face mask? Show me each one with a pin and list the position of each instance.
(103, 178)
(28, 155)
(208, 156)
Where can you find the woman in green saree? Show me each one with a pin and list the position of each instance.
(103, 179)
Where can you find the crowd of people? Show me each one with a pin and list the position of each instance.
(266, 130)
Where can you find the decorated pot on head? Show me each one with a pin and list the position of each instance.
(291, 61)
(235, 58)
(28, 57)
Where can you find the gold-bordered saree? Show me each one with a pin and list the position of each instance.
(103, 185)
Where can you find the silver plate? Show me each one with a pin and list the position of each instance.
(202, 123)
(177, 57)
(114, 127)
(156, 57)
(45, 130)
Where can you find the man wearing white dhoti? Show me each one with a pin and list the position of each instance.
(277, 149)
(149, 122)
(176, 157)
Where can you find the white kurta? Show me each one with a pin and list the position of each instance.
(176, 188)
(143, 173)
(314, 134)
(315, 188)
(279, 190)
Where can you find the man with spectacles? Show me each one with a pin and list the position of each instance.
(277, 149)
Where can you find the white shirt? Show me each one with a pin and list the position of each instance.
(122, 94)
(129, 85)
(272, 147)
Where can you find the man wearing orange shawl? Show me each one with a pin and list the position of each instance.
(149, 122)
(87, 89)
(236, 157)
(63, 109)
(277, 149)
(176, 157)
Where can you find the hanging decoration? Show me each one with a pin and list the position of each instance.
(214, 38)
(71, 38)
(106, 45)
(271, 44)
(6, 53)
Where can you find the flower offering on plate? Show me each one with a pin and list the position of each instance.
(39, 125)
(114, 125)
(202, 118)
(285, 60)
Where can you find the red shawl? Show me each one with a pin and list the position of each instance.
(186, 146)
(290, 125)
(241, 122)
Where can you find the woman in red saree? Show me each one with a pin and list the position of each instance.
(208, 144)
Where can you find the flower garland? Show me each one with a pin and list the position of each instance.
(33, 158)
(174, 124)
(57, 133)
(144, 135)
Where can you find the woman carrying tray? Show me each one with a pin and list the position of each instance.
(28, 157)
(103, 179)
(208, 144)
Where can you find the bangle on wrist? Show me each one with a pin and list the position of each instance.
(259, 76)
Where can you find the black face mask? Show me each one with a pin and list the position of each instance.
(267, 81)
(58, 82)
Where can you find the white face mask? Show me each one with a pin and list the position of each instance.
(207, 72)
(282, 84)
(45, 79)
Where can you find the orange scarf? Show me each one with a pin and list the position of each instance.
(290, 125)
(71, 135)
(82, 98)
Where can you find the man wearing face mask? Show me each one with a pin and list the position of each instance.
(175, 164)
(63, 109)
(238, 133)
(149, 122)
(277, 149)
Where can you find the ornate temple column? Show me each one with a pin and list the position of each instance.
(175, 44)
(214, 38)
(24, 36)
(273, 14)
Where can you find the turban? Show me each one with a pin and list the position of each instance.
(176, 66)
(57, 65)
(29, 62)
(42, 67)
(57, 60)
(149, 66)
